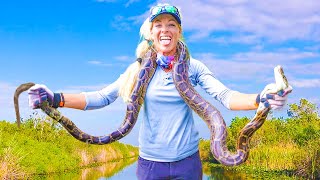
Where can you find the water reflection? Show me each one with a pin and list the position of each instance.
(128, 173)
(107, 170)
(219, 173)
(125, 169)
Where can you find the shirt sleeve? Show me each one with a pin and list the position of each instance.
(205, 78)
(103, 97)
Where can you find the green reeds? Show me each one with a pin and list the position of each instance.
(42, 147)
(287, 146)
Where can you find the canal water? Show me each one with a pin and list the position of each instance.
(126, 169)
(214, 174)
(130, 173)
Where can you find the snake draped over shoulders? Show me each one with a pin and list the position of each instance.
(203, 108)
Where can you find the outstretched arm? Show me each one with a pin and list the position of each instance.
(241, 101)
(75, 101)
(83, 101)
(235, 100)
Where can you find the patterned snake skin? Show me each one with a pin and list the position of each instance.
(215, 121)
(133, 108)
(204, 109)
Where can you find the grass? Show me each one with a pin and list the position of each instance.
(281, 146)
(41, 147)
(9, 165)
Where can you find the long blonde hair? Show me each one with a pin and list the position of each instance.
(129, 77)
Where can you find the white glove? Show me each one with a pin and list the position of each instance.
(38, 94)
(274, 100)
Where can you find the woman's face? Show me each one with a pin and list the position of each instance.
(165, 33)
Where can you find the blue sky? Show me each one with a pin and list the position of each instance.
(84, 45)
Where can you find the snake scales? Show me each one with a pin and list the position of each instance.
(204, 109)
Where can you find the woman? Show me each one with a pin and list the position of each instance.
(168, 140)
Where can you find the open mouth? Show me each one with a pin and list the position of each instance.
(165, 40)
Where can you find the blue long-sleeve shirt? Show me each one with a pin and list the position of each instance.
(167, 131)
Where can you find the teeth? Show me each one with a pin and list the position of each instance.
(165, 38)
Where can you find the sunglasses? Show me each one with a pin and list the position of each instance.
(157, 10)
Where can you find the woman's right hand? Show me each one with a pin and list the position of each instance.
(38, 94)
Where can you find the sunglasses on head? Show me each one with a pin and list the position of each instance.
(157, 10)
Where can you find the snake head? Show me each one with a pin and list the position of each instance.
(282, 85)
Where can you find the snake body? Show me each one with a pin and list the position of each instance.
(204, 109)
(133, 108)
(214, 119)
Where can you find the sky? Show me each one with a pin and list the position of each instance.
(84, 45)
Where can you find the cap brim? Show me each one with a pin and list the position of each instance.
(173, 14)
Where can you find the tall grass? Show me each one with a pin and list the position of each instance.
(281, 145)
(41, 146)
(9, 165)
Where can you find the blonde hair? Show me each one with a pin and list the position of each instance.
(129, 77)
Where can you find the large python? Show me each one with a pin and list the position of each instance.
(204, 109)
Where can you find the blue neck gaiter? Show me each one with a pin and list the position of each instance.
(165, 61)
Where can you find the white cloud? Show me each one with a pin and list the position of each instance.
(100, 63)
(309, 69)
(313, 48)
(273, 20)
(125, 58)
(243, 39)
(130, 2)
(127, 4)
(236, 70)
(282, 55)
(119, 61)
(121, 23)
(258, 65)
(106, 1)
(306, 83)
(95, 62)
